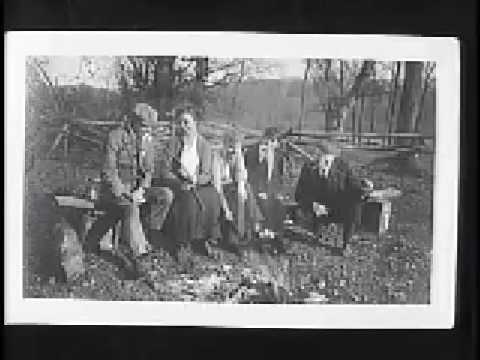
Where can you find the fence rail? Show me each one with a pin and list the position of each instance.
(327, 135)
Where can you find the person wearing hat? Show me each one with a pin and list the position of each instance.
(126, 181)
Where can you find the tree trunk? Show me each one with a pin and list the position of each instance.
(349, 100)
(393, 100)
(360, 118)
(353, 120)
(412, 89)
(237, 87)
(302, 98)
(341, 78)
(365, 72)
(419, 117)
(373, 102)
(328, 66)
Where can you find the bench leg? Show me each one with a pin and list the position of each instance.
(116, 234)
(385, 216)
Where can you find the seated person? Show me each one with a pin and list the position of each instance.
(332, 183)
(187, 170)
(124, 191)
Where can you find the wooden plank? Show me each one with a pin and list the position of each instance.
(86, 138)
(383, 194)
(300, 151)
(71, 201)
(94, 131)
(324, 134)
(58, 138)
(96, 122)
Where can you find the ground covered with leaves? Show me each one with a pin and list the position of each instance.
(393, 268)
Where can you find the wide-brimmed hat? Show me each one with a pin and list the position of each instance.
(146, 114)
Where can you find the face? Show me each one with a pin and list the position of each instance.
(187, 125)
(132, 122)
(262, 151)
(325, 164)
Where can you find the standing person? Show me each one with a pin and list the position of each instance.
(195, 214)
(236, 165)
(126, 181)
(263, 172)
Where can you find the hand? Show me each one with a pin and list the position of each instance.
(367, 185)
(319, 209)
(185, 174)
(367, 188)
(186, 186)
(138, 195)
(228, 215)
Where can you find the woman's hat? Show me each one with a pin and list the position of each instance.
(146, 114)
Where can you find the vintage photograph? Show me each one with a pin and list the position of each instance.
(236, 180)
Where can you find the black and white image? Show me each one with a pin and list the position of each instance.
(229, 180)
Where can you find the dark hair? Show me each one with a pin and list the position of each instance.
(185, 107)
(132, 118)
(180, 112)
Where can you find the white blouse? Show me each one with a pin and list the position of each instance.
(190, 160)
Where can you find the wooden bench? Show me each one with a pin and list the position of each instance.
(89, 215)
(377, 210)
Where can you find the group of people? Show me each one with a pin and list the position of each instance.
(183, 195)
(164, 198)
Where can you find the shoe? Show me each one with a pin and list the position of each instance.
(127, 267)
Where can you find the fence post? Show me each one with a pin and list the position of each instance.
(240, 190)
(374, 101)
(353, 119)
(360, 119)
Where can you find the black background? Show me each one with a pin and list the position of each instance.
(419, 18)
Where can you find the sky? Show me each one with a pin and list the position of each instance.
(72, 70)
(293, 67)
(75, 70)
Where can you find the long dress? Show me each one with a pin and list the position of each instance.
(194, 214)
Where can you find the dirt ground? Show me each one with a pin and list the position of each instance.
(394, 268)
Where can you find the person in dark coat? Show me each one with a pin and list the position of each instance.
(263, 165)
(330, 182)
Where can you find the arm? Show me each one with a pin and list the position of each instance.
(205, 169)
(165, 165)
(148, 165)
(110, 168)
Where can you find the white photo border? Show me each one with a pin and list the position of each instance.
(438, 314)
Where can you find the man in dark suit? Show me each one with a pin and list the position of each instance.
(331, 185)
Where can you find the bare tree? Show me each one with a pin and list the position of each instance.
(393, 98)
(302, 97)
(409, 101)
(429, 69)
(237, 86)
